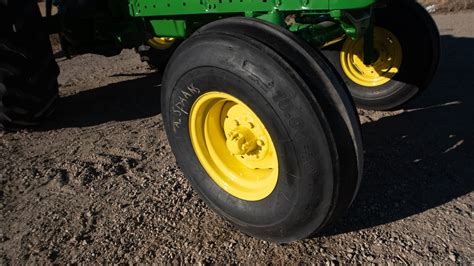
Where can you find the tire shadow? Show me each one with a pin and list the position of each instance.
(121, 101)
(424, 157)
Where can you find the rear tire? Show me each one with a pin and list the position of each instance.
(315, 182)
(28, 71)
(418, 36)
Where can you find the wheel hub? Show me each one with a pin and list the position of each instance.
(385, 66)
(241, 141)
(233, 146)
(161, 43)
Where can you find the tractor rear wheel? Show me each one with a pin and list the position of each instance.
(28, 71)
(255, 137)
(406, 41)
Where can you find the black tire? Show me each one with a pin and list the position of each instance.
(311, 189)
(332, 97)
(157, 58)
(28, 71)
(420, 42)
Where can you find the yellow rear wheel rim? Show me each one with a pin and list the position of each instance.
(389, 59)
(233, 146)
(161, 43)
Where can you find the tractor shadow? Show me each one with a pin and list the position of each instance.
(424, 157)
(121, 101)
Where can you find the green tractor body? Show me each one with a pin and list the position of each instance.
(128, 24)
(156, 12)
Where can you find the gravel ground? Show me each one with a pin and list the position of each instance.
(443, 6)
(98, 182)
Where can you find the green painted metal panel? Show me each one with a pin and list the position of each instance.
(194, 7)
(350, 4)
(145, 8)
(169, 28)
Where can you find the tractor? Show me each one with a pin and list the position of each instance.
(258, 97)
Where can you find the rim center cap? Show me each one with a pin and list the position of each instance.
(241, 141)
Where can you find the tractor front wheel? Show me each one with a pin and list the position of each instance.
(250, 134)
(406, 43)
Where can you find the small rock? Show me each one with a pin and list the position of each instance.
(452, 257)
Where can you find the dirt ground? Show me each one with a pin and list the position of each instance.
(98, 182)
(443, 6)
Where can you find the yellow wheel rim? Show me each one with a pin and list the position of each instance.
(387, 65)
(161, 43)
(233, 146)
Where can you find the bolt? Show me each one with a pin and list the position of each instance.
(236, 122)
(251, 125)
(260, 142)
(236, 136)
